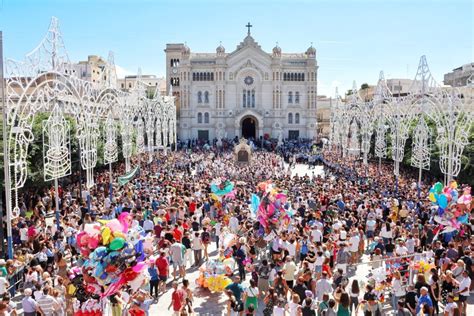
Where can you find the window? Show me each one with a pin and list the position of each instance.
(248, 98)
(297, 118)
(206, 97)
(297, 97)
(175, 82)
(123, 85)
(199, 97)
(290, 118)
(206, 118)
(199, 118)
(290, 97)
(129, 85)
(174, 62)
(253, 98)
(244, 98)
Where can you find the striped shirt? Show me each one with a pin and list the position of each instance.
(46, 303)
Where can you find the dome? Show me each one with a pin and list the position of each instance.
(276, 50)
(185, 50)
(220, 49)
(311, 51)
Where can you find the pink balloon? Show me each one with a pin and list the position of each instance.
(281, 197)
(79, 239)
(271, 209)
(124, 219)
(113, 288)
(139, 267)
(93, 242)
(114, 225)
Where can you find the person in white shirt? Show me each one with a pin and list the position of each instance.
(289, 270)
(291, 248)
(272, 275)
(450, 306)
(323, 286)
(24, 234)
(294, 306)
(463, 291)
(410, 244)
(398, 290)
(4, 284)
(217, 233)
(279, 308)
(148, 225)
(197, 247)
(316, 235)
(386, 231)
(354, 246)
(401, 250)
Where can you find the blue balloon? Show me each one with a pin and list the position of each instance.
(139, 250)
(440, 211)
(463, 219)
(454, 196)
(255, 202)
(443, 201)
(98, 253)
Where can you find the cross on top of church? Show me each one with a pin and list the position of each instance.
(248, 26)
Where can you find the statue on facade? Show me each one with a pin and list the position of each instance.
(280, 138)
(220, 135)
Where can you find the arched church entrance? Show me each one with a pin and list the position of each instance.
(249, 127)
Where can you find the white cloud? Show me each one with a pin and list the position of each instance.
(122, 72)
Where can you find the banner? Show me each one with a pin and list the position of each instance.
(128, 176)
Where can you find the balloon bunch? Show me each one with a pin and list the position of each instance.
(113, 255)
(453, 210)
(91, 307)
(221, 188)
(214, 274)
(273, 211)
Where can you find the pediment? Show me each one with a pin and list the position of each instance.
(249, 64)
(248, 48)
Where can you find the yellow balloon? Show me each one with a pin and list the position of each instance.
(118, 234)
(431, 197)
(106, 234)
(226, 282)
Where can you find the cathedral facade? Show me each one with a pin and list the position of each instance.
(245, 93)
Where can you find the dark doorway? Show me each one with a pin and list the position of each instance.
(203, 135)
(249, 128)
(293, 135)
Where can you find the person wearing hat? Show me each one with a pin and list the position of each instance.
(424, 299)
(28, 304)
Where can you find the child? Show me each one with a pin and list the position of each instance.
(279, 309)
(294, 306)
(331, 311)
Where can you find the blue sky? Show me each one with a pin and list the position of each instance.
(355, 39)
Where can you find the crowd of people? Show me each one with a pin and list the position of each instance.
(354, 216)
